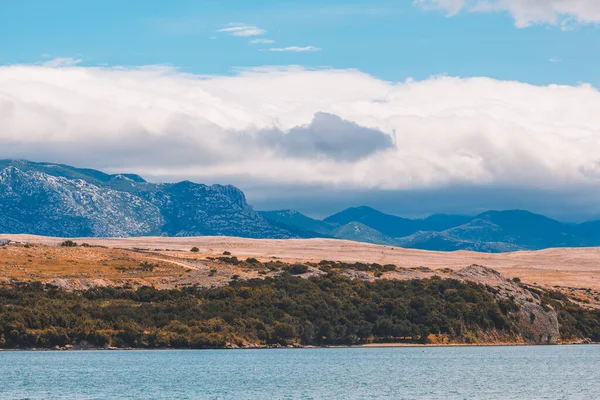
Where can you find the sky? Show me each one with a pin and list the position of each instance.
(412, 107)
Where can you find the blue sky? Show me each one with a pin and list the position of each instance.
(411, 106)
(392, 40)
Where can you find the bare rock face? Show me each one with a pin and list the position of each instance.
(537, 323)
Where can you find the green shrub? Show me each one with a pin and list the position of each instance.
(297, 269)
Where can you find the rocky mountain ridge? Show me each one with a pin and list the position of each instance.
(60, 200)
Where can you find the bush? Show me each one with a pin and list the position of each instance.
(195, 250)
(226, 253)
(297, 269)
(68, 243)
(229, 260)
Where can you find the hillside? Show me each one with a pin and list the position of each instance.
(208, 298)
(570, 268)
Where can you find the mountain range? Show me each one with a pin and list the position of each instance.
(491, 231)
(60, 200)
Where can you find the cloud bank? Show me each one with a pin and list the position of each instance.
(565, 13)
(293, 127)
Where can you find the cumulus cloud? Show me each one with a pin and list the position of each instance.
(296, 49)
(283, 126)
(244, 30)
(327, 136)
(565, 13)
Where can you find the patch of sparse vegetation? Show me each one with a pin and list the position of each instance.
(229, 260)
(296, 269)
(327, 266)
(143, 266)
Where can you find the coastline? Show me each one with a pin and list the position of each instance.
(289, 347)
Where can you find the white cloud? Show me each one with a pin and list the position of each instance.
(565, 13)
(554, 60)
(251, 127)
(262, 41)
(243, 30)
(62, 62)
(450, 6)
(296, 49)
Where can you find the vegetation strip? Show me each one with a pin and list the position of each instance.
(285, 310)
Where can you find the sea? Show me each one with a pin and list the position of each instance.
(522, 372)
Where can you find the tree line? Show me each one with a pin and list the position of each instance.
(326, 310)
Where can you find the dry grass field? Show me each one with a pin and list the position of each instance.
(121, 260)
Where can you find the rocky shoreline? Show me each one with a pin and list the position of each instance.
(68, 348)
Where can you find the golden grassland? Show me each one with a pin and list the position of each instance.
(121, 260)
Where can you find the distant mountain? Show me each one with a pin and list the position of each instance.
(359, 232)
(443, 241)
(300, 222)
(520, 228)
(491, 231)
(590, 231)
(394, 226)
(441, 222)
(389, 225)
(58, 200)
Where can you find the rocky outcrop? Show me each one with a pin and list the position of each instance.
(537, 323)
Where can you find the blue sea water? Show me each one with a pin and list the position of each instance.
(544, 372)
